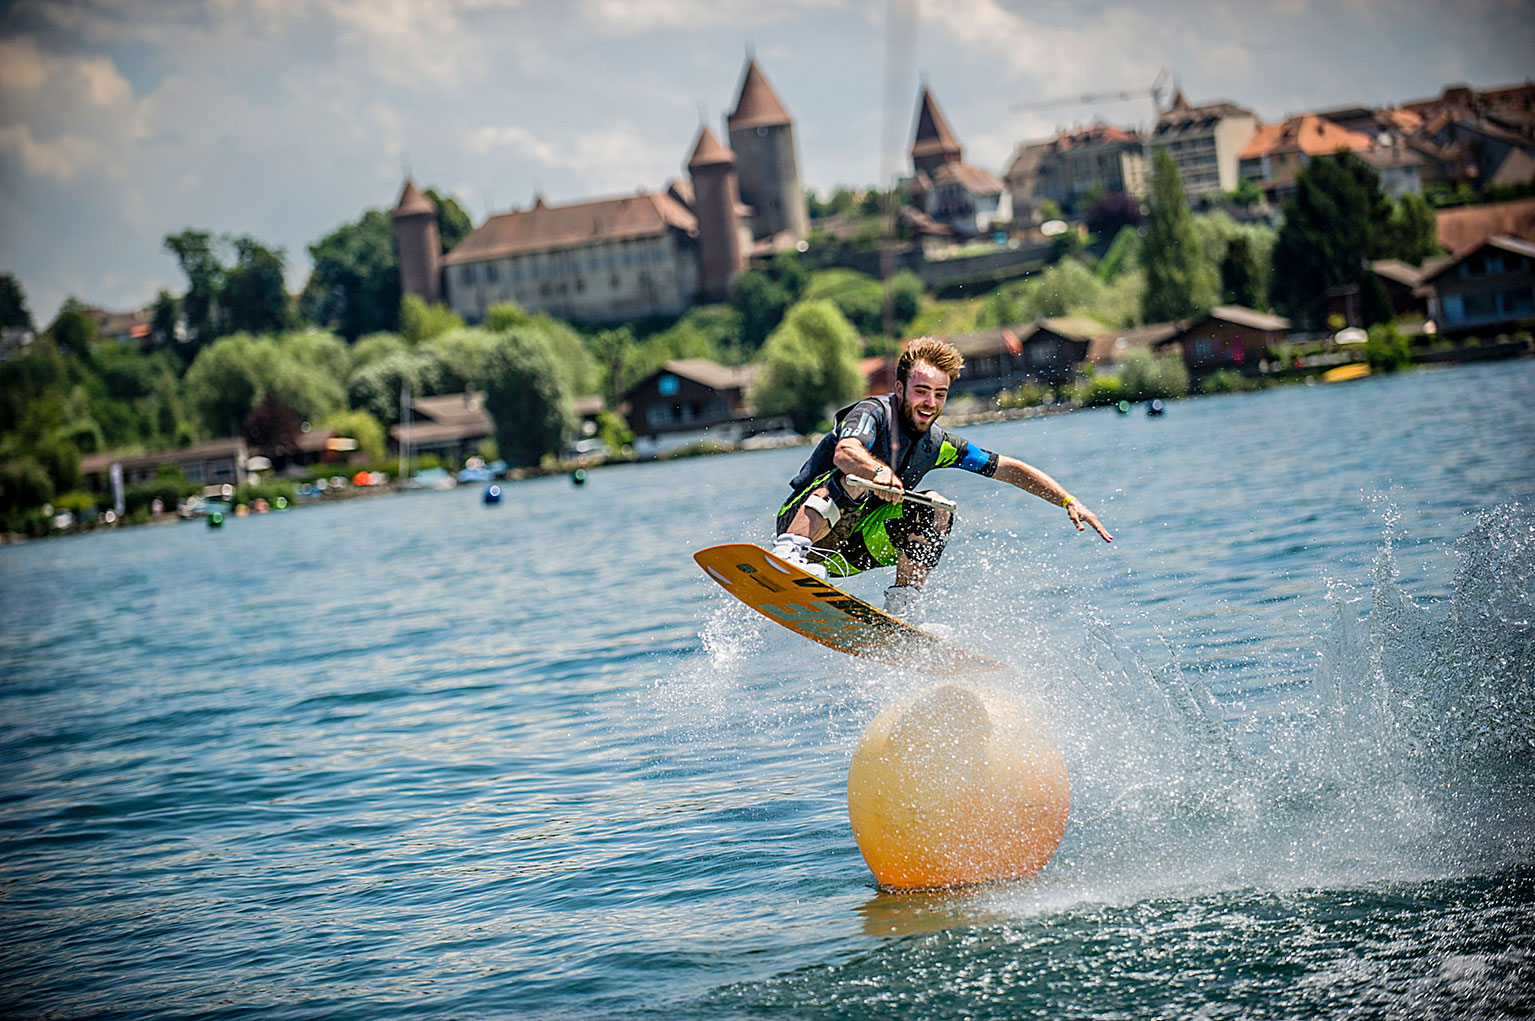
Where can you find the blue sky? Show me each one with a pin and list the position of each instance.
(124, 120)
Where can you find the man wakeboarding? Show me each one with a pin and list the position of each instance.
(831, 525)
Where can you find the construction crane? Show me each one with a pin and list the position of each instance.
(1161, 86)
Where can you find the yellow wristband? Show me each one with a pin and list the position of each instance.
(1068, 501)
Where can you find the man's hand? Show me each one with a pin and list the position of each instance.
(1082, 517)
(885, 477)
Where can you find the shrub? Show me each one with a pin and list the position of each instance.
(1143, 375)
(1027, 394)
(1223, 381)
(1387, 350)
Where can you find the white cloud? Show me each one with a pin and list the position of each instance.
(486, 140)
(60, 158)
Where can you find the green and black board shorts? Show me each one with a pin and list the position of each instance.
(871, 533)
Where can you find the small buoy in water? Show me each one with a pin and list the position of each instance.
(1155, 407)
(959, 785)
(493, 493)
(1123, 407)
(215, 520)
(578, 477)
(281, 503)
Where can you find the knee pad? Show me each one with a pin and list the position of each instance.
(825, 507)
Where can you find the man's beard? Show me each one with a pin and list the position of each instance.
(909, 422)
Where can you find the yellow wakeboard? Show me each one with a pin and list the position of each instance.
(824, 613)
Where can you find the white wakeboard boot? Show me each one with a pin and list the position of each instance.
(795, 549)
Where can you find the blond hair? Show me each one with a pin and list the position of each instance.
(940, 354)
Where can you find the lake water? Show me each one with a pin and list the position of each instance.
(420, 757)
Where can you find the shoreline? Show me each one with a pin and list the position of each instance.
(965, 416)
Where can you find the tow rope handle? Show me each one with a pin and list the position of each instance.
(906, 494)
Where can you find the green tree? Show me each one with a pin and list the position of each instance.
(195, 251)
(375, 388)
(420, 321)
(74, 331)
(1247, 194)
(809, 365)
(13, 304)
(167, 313)
(762, 302)
(1002, 307)
(1337, 220)
(453, 224)
(374, 347)
(504, 315)
(226, 379)
(1178, 284)
(859, 297)
(254, 296)
(527, 395)
(311, 391)
(906, 291)
(355, 285)
(24, 484)
(1413, 231)
(789, 271)
(1241, 274)
(460, 356)
(612, 349)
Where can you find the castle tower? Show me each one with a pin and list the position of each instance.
(762, 135)
(713, 170)
(934, 144)
(415, 237)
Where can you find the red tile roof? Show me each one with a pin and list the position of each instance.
(757, 106)
(547, 227)
(708, 152)
(1466, 226)
(1308, 133)
(413, 202)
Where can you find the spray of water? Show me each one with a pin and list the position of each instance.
(1407, 756)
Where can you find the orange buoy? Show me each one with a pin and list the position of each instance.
(960, 784)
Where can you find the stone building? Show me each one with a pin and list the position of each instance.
(1205, 142)
(965, 199)
(419, 250)
(614, 259)
(767, 163)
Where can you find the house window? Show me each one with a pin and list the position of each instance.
(490, 273)
(1481, 305)
(1519, 302)
(667, 385)
(1204, 348)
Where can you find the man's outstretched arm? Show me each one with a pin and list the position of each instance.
(1031, 480)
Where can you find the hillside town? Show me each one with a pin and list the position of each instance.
(674, 316)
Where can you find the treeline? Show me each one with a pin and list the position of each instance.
(235, 356)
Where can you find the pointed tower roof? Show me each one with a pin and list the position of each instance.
(934, 139)
(757, 106)
(412, 202)
(708, 151)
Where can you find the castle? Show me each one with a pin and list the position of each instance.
(609, 260)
